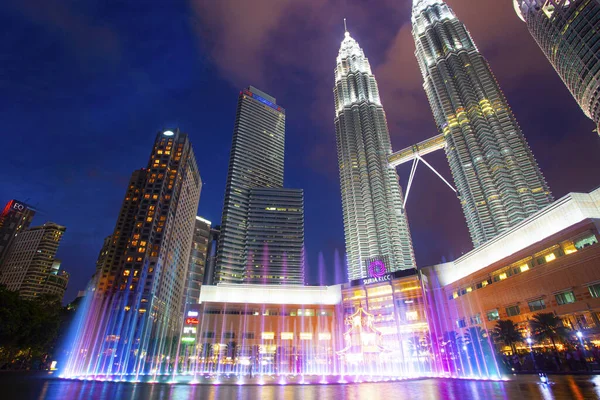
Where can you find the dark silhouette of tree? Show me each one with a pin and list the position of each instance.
(508, 333)
(547, 326)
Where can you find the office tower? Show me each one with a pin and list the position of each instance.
(275, 238)
(568, 32)
(15, 217)
(256, 160)
(198, 254)
(30, 266)
(499, 182)
(375, 224)
(138, 301)
(211, 257)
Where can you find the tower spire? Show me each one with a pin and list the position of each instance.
(345, 27)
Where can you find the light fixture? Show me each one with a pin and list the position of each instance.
(168, 133)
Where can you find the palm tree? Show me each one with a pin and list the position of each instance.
(507, 332)
(548, 326)
(475, 335)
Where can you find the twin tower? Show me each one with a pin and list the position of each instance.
(497, 179)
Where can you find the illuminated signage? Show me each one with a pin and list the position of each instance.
(403, 273)
(383, 278)
(377, 269)
(18, 206)
(191, 321)
(192, 313)
(263, 100)
(188, 339)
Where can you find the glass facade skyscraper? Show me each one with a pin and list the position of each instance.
(255, 179)
(568, 32)
(375, 224)
(498, 180)
(275, 241)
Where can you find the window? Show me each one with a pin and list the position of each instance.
(461, 323)
(287, 335)
(565, 298)
(229, 335)
(594, 290)
(325, 336)
(493, 315)
(412, 316)
(268, 335)
(248, 335)
(512, 311)
(537, 305)
(475, 319)
(208, 335)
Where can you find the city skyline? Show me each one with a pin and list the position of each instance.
(322, 196)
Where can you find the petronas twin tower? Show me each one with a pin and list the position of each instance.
(499, 182)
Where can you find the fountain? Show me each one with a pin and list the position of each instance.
(387, 327)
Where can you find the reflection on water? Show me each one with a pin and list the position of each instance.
(22, 386)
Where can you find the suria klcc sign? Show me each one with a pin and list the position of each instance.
(377, 273)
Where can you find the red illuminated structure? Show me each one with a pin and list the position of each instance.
(16, 217)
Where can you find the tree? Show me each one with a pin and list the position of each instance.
(508, 333)
(547, 326)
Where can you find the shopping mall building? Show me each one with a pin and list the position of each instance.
(550, 262)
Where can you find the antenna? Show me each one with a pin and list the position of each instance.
(345, 28)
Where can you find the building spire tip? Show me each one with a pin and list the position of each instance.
(346, 28)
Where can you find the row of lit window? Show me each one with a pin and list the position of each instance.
(548, 255)
(562, 298)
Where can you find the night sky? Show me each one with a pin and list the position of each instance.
(86, 86)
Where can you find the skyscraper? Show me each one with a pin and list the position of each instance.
(138, 300)
(375, 224)
(198, 254)
(15, 217)
(499, 182)
(275, 241)
(256, 161)
(30, 266)
(568, 32)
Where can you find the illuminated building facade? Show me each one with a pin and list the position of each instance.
(398, 309)
(30, 266)
(262, 328)
(497, 178)
(546, 264)
(138, 293)
(16, 217)
(568, 32)
(375, 223)
(198, 256)
(275, 238)
(255, 180)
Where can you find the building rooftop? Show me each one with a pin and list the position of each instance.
(271, 294)
(556, 217)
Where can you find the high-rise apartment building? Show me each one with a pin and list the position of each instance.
(198, 254)
(140, 286)
(568, 32)
(375, 223)
(498, 180)
(256, 161)
(275, 239)
(30, 266)
(15, 217)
